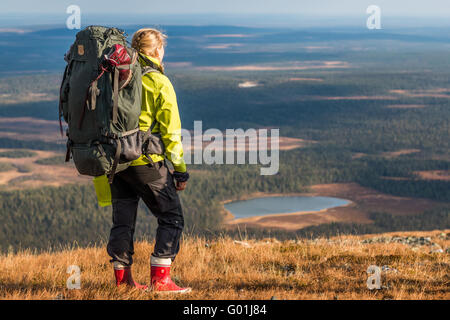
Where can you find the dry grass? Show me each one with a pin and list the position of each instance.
(306, 79)
(395, 154)
(406, 106)
(295, 65)
(27, 128)
(241, 143)
(421, 93)
(223, 46)
(224, 269)
(434, 175)
(38, 175)
(6, 98)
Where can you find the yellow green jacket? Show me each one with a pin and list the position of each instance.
(158, 101)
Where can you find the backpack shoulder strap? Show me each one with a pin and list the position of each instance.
(148, 69)
(149, 131)
(151, 66)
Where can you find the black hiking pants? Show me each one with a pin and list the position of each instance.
(155, 186)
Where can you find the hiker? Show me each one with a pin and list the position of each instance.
(151, 179)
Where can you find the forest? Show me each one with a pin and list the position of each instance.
(70, 213)
(387, 96)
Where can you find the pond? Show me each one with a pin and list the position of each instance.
(276, 205)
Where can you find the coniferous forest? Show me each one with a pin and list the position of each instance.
(393, 96)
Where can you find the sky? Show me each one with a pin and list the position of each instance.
(317, 7)
(300, 12)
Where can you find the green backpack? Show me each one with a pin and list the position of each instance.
(100, 99)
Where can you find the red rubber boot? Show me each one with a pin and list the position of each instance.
(160, 277)
(123, 276)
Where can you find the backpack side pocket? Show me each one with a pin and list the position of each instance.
(92, 159)
(153, 144)
(131, 143)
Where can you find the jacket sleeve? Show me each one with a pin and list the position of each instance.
(168, 118)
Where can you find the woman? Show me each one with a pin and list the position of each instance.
(154, 184)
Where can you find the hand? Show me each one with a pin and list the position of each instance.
(180, 186)
(181, 179)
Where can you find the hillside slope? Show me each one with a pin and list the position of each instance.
(415, 265)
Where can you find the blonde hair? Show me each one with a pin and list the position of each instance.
(148, 41)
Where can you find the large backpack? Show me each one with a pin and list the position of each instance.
(100, 99)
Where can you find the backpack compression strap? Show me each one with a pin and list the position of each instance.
(60, 100)
(115, 95)
(124, 67)
(116, 161)
(149, 131)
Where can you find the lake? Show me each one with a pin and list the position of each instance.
(274, 205)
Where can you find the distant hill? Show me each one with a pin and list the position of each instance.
(41, 49)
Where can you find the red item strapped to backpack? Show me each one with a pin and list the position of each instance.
(117, 56)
